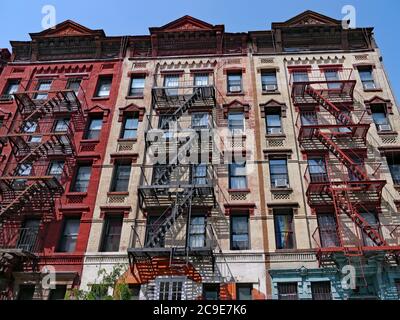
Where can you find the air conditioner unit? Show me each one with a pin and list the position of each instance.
(275, 130)
(270, 87)
(384, 127)
(281, 183)
(235, 89)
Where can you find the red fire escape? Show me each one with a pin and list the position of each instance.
(331, 126)
(41, 141)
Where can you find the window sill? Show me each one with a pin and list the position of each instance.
(266, 93)
(127, 140)
(229, 94)
(118, 193)
(387, 133)
(74, 194)
(101, 98)
(134, 97)
(90, 141)
(7, 101)
(239, 190)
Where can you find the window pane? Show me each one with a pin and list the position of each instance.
(200, 120)
(121, 177)
(287, 291)
(268, 81)
(104, 87)
(300, 77)
(201, 80)
(239, 232)
(94, 129)
(171, 81)
(130, 127)
(137, 86)
(284, 231)
(321, 290)
(82, 179)
(12, 87)
(69, 235)
(243, 291)
(197, 232)
(112, 234)
(234, 82)
(56, 169)
(61, 125)
(43, 86)
(236, 122)
(75, 85)
(328, 230)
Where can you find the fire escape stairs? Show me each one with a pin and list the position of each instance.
(341, 200)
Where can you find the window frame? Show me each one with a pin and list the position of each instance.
(170, 293)
(264, 84)
(75, 179)
(362, 70)
(89, 132)
(233, 128)
(124, 129)
(233, 177)
(101, 82)
(7, 88)
(74, 80)
(321, 295)
(288, 296)
(273, 112)
(289, 239)
(193, 230)
(244, 286)
(273, 176)
(140, 90)
(117, 179)
(247, 233)
(43, 96)
(381, 111)
(106, 235)
(229, 82)
(74, 236)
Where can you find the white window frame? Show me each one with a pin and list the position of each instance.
(170, 280)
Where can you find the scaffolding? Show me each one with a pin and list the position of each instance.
(332, 128)
(178, 187)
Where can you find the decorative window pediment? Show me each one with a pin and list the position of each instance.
(236, 105)
(378, 100)
(130, 109)
(273, 104)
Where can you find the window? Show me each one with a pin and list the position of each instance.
(153, 224)
(11, 88)
(82, 178)
(58, 293)
(309, 118)
(26, 292)
(167, 125)
(273, 121)
(200, 120)
(61, 125)
(372, 219)
(317, 169)
(120, 181)
(56, 168)
(197, 232)
(69, 235)
(243, 291)
(332, 78)
(360, 163)
(170, 290)
(28, 236)
(31, 127)
(300, 76)
(393, 160)
(240, 232)
(137, 86)
(130, 126)
(210, 291)
(103, 87)
(268, 81)
(171, 81)
(328, 230)
(199, 174)
(112, 233)
(321, 290)
(234, 82)
(94, 128)
(237, 176)
(23, 170)
(279, 173)
(236, 122)
(380, 118)
(367, 78)
(201, 79)
(42, 89)
(284, 235)
(160, 171)
(287, 291)
(74, 85)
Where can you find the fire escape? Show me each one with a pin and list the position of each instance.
(176, 188)
(332, 128)
(41, 139)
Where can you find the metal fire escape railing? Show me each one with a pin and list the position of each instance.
(337, 184)
(41, 139)
(175, 186)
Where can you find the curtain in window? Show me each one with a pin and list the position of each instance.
(327, 230)
(197, 232)
(283, 231)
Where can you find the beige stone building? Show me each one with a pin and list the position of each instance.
(258, 165)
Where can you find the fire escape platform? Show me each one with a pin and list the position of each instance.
(166, 252)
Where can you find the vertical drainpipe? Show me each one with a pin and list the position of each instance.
(259, 159)
(298, 155)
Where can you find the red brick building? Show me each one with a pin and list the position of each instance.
(58, 97)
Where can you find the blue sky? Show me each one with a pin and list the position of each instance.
(128, 17)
